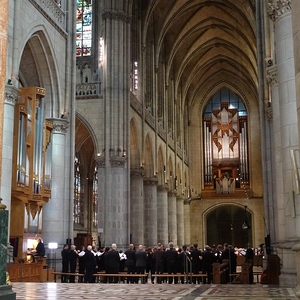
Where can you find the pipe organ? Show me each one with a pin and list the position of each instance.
(31, 179)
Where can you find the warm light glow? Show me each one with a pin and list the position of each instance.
(31, 243)
(135, 76)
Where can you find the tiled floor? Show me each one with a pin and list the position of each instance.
(57, 291)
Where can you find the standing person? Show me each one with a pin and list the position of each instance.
(81, 264)
(159, 260)
(130, 262)
(65, 263)
(141, 262)
(218, 254)
(150, 268)
(249, 259)
(207, 260)
(113, 260)
(196, 263)
(90, 265)
(73, 262)
(172, 259)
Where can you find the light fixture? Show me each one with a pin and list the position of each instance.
(245, 225)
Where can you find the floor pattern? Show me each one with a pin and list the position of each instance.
(57, 291)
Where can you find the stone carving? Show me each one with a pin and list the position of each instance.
(116, 15)
(11, 95)
(272, 76)
(59, 125)
(117, 161)
(277, 8)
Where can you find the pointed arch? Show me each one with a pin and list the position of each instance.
(148, 157)
(135, 156)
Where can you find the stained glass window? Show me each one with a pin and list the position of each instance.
(95, 198)
(84, 28)
(77, 188)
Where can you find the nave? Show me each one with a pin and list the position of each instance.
(51, 291)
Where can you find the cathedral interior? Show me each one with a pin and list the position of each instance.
(151, 121)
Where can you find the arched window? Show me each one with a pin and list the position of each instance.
(84, 28)
(225, 143)
(77, 214)
(95, 198)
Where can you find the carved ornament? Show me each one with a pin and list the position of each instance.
(277, 8)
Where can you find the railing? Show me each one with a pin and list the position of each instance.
(187, 268)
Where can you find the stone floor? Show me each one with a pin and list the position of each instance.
(51, 290)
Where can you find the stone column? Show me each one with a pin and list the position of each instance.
(296, 40)
(113, 202)
(11, 96)
(136, 207)
(56, 218)
(287, 127)
(150, 212)
(162, 214)
(172, 217)
(5, 289)
(180, 221)
(187, 222)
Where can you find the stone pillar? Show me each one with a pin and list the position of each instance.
(286, 131)
(6, 292)
(56, 218)
(296, 40)
(162, 214)
(172, 217)
(113, 202)
(136, 207)
(11, 96)
(180, 221)
(187, 222)
(150, 212)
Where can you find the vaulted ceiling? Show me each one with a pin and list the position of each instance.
(204, 42)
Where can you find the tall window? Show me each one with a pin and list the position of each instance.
(225, 142)
(77, 197)
(84, 28)
(95, 198)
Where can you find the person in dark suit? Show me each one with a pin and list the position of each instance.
(141, 262)
(249, 259)
(130, 262)
(90, 265)
(207, 260)
(196, 263)
(113, 260)
(73, 262)
(65, 263)
(40, 249)
(172, 259)
(159, 259)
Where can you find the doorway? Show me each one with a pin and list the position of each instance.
(229, 224)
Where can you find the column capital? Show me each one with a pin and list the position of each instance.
(277, 8)
(172, 193)
(100, 160)
(117, 161)
(60, 126)
(187, 201)
(11, 95)
(138, 172)
(116, 15)
(163, 187)
(150, 180)
(272, 75)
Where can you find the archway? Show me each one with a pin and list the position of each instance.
(225, 225)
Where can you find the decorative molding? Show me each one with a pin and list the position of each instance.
(172, 193)
(163, 188)
(272, 75)
(117, 161)
(60, 126)
(187, 201)
(138, 173)
(277, 8)
(116, 15)
(269, 114)
(11, 95)
(100, 160)
(150, 180)
(51, 11)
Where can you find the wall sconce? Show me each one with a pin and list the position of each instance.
(170, 173)
(124, 153)
(164, 169)
(245, 225)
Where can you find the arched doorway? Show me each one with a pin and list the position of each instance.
(225, 224)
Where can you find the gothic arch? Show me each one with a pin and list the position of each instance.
(38, 67)
(148, 157)
(161, 167)
(223, 223)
